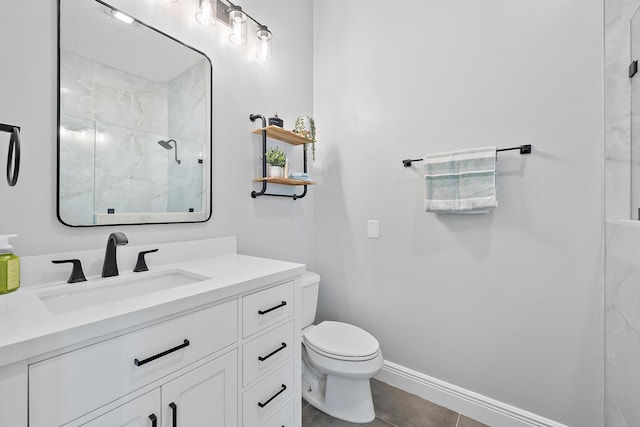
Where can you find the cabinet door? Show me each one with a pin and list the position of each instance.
(204, 397)
(141, 412)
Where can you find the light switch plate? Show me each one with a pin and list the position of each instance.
(373, 229)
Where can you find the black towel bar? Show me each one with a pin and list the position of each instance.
(524, 149)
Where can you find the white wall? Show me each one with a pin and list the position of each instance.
(507, 304)
(241, 86)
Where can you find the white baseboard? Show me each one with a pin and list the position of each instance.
(465, 402)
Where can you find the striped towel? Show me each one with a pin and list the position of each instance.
(461, 181)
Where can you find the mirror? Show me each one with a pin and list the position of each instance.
(134, 121)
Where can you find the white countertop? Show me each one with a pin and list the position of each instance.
(28, 328)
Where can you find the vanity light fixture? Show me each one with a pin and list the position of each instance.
(206, 14)
(238, 23)
(232, 15)
(265, 36)
(121, 16)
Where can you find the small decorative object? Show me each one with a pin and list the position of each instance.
(276, 121)
(306, 127)
(276, 159)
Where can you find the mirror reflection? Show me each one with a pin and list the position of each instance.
(134, 136)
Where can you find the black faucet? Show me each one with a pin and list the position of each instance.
(110, 266)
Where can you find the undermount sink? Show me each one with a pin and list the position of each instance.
(102, 291)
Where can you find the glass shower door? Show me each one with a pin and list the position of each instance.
(635, 116)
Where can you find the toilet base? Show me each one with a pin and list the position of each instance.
(348, 399)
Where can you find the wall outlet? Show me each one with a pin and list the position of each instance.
(373, 229)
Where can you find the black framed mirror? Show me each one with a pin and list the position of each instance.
(134, 121)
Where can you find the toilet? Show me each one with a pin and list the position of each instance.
(338, 359)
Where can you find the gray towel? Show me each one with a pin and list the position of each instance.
(461, 181)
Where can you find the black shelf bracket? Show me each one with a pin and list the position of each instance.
(263, 191)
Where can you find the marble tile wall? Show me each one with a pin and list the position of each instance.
(130, 171)
(622, 329)
(188, 108)
(95, 91)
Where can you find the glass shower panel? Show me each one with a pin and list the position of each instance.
(77, 158)
(635, 119)
(136, 174)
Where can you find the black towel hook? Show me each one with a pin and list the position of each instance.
(13, 157)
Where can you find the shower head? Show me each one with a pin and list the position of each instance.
(167, 146)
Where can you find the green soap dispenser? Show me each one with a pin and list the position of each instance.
(9, 266)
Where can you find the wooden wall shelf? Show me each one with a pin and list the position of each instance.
(283, 135)
(284, 181)
(276, 132)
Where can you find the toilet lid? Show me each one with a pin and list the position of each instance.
(341, 339)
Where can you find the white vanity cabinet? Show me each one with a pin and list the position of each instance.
(67, 386)
(227, 364)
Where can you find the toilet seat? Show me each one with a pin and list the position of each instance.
(341, 341)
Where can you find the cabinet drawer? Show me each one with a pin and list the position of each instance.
(283, 418)
(64, 387)
(266, 307)
(266, 351)
(259, 401)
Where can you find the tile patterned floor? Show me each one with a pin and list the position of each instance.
(394, 408)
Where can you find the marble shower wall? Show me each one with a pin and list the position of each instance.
(118, 118)
(188, 108)
(622, 329)
(622, 260)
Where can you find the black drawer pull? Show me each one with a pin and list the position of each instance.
(159, 355)
(174, 409)
(262, 359)
(273, 308)
(154, 420)
(262, 405)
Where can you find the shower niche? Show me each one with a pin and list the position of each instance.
(134, 121)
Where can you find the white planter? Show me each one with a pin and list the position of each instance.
(275, 172)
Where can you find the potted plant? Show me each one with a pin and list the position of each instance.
(276, 159)
(306, 127)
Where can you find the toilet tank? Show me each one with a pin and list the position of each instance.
(309, 284)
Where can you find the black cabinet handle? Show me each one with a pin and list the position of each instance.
(263, 358)
(159, 355)
(282, 389)
(273, 308)
(154, 420)
(174, 409)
